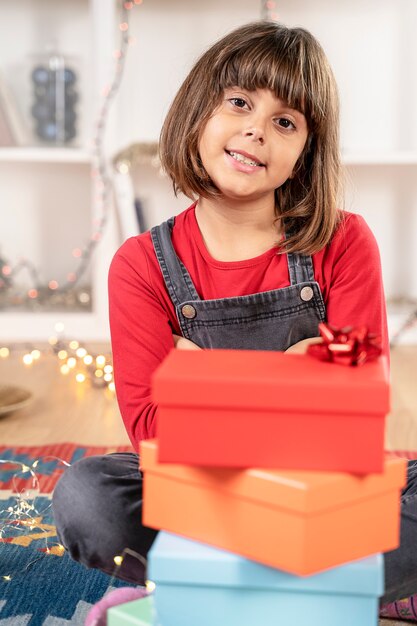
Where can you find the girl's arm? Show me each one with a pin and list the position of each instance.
(349, 271)
(141, 336)
(352, 279)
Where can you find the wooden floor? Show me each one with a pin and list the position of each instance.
(66, 411)
(62, 409)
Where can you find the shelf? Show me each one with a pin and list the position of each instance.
(48, 154)
(39, 154)
(379, 158)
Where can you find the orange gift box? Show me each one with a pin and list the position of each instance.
(247, 408)
(300, 522)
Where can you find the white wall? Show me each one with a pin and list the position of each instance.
(373, 51)
(371, 45)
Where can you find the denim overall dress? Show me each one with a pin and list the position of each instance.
(271, 320)
(97, 503)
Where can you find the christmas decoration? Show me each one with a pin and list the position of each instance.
(51, 293)
(74, 360)
(347, 346)
(55, 96)
(269, 10)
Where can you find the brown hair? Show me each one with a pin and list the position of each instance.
(291, 63)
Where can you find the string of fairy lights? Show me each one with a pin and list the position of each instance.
(24, 515)
(75, 360)
(52, 292)
(269, 10)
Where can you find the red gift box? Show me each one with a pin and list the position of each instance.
(246, 408)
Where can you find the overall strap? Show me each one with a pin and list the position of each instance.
(177, 279)
(300, 268)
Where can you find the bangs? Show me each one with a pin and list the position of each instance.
(286, 62)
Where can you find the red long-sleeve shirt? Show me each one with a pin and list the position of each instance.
(142, 315)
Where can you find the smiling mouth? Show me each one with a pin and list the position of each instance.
(245, 160)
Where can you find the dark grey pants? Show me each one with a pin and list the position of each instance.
(97, 506)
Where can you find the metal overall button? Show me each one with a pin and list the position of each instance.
(188, 311)
(306, 294)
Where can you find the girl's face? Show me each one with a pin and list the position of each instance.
(251, 143)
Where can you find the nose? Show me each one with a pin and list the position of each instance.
(256, 133)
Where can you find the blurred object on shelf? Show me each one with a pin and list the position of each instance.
(140, 153)
(54, 82)
(131, 209)
(12, 127)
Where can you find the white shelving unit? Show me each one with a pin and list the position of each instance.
(372, 49)
(380, 158)
(50, 189)
(45, 155)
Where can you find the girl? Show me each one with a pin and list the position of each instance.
(256, 262)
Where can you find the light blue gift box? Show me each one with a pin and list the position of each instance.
(198, 585)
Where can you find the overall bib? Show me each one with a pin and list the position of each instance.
(97, 503)
(271, 320)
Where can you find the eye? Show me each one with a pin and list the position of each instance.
(240, 103)
(285, 123)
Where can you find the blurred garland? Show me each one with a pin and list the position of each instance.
(52, 292)
(74, 358)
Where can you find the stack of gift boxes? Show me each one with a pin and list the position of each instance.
(272, 490)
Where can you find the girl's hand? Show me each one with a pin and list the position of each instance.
(301, 346)
(181, 343)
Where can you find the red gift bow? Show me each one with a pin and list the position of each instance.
(348, 346)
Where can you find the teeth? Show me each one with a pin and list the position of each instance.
(242, 159)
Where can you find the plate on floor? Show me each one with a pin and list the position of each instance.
(13, 398)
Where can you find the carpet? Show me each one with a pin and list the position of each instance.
(39, 584)
(47, 588)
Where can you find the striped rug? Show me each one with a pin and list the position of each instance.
(39, 584)
(49, 466)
